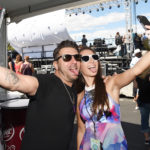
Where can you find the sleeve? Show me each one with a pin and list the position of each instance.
(41, 84)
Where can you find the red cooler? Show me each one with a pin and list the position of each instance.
(13, 121)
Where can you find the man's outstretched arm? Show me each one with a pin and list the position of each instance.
(14, 82)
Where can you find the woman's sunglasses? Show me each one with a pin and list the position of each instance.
(87, 58)
(68, 57)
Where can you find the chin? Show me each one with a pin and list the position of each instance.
(75, 77)
(93, 74)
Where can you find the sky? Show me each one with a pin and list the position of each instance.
(104, 24)
(97, 24)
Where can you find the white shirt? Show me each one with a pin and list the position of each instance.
(134, 61)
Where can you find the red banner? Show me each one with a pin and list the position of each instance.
(13, 121)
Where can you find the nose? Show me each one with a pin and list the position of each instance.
(91, 59)
(73, 59)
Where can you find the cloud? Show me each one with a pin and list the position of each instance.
(94, 27)
(106, 33)
(83, 22)
(98, 27)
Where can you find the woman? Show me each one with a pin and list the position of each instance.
(98, 109)
(18, 64)
(27, 67)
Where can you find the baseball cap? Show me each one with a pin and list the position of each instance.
(136, 51)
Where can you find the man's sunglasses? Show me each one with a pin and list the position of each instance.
(68, 57)
(87, 58)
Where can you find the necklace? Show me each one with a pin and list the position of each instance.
(71, 99)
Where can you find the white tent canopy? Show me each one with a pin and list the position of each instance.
(37, 34)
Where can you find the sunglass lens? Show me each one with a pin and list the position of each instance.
(95, 57)
(77, 57)
(85, 58)
(67, 57)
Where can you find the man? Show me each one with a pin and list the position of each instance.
(118, 42)
(84, 40)
(127, 41)
(50, 115)
(136, 57)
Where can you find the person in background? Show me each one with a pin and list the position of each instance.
(148, 31)
(27, 67)
(119, 42)
(18, 63)
(144, 41)
(11, 64)
(143, 83)
(84, 40)
(127, 42)
(137, 41)
(136, 57)
(50, 114)
(98, 106)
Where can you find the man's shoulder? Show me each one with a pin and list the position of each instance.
(47, 78)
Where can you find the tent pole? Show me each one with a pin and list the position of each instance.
(3, 58)
(3, 48)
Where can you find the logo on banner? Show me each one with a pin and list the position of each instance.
(21, 133)
(11, 147)
(9, 133)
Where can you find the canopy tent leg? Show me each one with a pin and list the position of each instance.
(3, 62)
(3, 48)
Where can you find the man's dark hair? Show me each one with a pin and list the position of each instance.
(64, 44)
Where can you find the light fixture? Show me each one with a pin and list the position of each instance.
(118, 5)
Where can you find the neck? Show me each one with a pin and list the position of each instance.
(63, 79)
(89, 81)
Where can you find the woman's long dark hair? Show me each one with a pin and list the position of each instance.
(100, 94)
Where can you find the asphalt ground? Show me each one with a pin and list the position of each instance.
(130, 119)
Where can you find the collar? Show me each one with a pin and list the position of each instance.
(89, 88)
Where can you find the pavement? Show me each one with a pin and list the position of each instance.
(130, 119)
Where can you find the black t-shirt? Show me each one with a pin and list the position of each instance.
(50, 116)
(144, 90)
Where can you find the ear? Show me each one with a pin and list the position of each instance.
(55, 64)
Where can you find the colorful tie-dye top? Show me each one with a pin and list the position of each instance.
(106, 132)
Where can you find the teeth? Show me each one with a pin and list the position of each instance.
(91, 67)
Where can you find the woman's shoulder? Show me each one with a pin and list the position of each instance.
(18, 63)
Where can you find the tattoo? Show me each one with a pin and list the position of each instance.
(11, 78)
